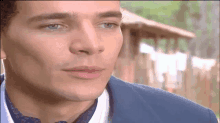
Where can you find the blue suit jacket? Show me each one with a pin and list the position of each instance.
(135, 103)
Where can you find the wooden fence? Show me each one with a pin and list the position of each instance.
(196, 84)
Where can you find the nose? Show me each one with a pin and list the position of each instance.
(87, 40)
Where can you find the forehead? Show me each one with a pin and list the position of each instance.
(81, 7)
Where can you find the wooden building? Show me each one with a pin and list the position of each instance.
(135, 28)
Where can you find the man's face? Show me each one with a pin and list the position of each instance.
(67, 35)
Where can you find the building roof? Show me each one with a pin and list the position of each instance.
(130, 18)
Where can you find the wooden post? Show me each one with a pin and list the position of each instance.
(126, 62)
(179, 89)
(176, 49)
(199, 87)
(142, 70)
(125, 59)
(204, 89)
(138, 66)
(186, 76)
(208, 88)
(135, 51)
(168, 82)
(156, 40)
(148, 70)
(176, 45)
(188, 80)
(168, 46)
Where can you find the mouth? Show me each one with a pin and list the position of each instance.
(85, 72)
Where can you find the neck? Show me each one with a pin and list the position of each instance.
(45, 106)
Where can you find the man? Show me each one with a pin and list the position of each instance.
(59, 57)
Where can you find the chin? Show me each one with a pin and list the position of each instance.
(82, 90)
(69, 88)
(84, 95)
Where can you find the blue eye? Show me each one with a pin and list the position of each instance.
(54, 26)
(109, 25)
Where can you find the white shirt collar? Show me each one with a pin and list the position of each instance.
(5, 115)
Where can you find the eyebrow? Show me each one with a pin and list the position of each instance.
(51, 16)
(116, 14)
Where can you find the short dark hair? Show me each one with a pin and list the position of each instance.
(8, 11)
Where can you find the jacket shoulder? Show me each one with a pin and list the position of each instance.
(167, 106)
(169, 103)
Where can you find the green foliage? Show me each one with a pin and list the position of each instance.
(189, 23)
(162, 44)
(209, 23)
(149, 41)
(194, 8)
(160, 11)
(183, 45)
(182, 14)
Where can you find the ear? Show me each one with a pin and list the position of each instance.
(3, 55)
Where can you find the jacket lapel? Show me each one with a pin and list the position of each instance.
(127, 105)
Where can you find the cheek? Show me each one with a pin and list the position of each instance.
(35, 49)
(113, 46)
(50, 49)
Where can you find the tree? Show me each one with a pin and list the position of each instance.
(194, 16)
(181, 16)
(215, 29)
(202, 42)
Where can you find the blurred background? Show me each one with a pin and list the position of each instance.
(172, 45)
